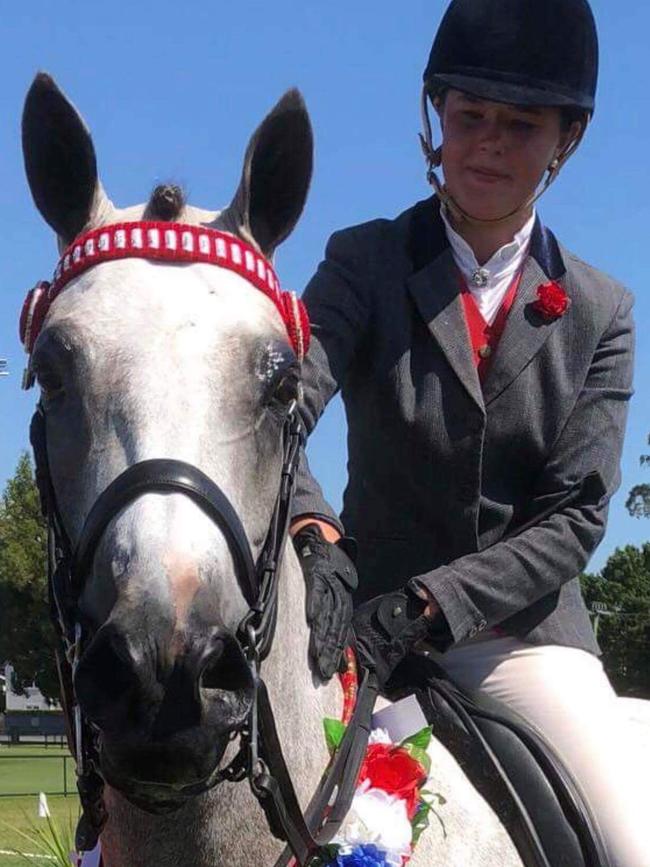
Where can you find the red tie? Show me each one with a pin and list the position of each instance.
(484, 338)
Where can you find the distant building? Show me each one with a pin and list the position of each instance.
(32, 700)
(31, 714)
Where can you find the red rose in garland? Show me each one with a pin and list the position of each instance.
(552, 301)
(396, 772)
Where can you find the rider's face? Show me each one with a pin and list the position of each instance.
(494, 155)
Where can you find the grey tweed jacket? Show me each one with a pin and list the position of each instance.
(441, 469)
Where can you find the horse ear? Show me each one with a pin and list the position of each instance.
(59, 159)
(276, 175)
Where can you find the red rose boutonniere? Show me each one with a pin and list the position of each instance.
(552, 301)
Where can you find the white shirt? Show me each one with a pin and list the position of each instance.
(497, 274)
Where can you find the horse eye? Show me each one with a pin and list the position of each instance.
(49, 383)
(287, 388)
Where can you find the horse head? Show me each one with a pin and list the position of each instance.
(140, 360)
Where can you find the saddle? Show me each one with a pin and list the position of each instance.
(513, 768)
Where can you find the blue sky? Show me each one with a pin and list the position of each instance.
(173, 93)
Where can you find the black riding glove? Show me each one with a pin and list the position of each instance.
(330, 576)
(388, 627)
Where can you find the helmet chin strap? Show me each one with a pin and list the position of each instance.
(433, 157)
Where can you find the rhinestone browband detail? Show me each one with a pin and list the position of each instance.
(173, 242)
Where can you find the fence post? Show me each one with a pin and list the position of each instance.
(65, 776)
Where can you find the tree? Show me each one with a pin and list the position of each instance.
(26, 635)
(622, 595)
(638, 502)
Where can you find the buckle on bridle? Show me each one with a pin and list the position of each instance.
(259, 779)
(253, 640)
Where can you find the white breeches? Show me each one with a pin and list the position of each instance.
(565, 694)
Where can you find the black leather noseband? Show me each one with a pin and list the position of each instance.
(162, 475)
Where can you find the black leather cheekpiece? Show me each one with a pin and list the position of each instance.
(522, 52)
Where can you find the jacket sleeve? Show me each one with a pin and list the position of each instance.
(338, 306)
(481, 590)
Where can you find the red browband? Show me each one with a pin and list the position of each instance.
(169, 242)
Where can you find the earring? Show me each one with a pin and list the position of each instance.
(553, 166)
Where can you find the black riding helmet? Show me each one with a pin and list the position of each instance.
(522, 52)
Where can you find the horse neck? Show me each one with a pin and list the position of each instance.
(227, 826)
(299, 704)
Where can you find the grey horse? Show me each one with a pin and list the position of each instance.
(139, 360)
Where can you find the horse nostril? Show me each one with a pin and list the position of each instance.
(106, 676)
(226, 668)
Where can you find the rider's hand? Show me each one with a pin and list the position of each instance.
(388, 627)
(330, 576)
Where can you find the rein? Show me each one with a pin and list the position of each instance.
(259, 759)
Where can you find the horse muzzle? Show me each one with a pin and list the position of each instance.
(156, 796)
(163, 715)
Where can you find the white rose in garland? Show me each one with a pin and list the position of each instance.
(379, 818)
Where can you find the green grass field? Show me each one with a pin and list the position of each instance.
(33, 769)
(25, 769)
(21, 815)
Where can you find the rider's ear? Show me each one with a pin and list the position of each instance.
(276, 175)
(438, 103)
(59, 160)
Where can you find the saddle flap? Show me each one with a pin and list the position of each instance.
(515, 770)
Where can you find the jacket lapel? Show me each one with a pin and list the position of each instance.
(434, 286)
(526, 331)
(435, 290)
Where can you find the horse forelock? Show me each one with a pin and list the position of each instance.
(166, 202)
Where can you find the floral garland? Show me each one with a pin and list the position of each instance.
(390, 808)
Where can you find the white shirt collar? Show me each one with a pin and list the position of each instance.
(504, 263)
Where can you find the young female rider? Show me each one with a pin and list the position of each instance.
(486, 373)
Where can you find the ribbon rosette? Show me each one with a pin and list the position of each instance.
(388, 811)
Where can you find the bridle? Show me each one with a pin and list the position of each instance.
(259, 758)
